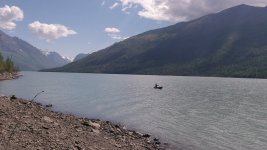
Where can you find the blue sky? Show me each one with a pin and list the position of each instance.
(84, 26)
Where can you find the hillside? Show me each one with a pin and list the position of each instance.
(80, 56)
(26, 56)
(229, 43)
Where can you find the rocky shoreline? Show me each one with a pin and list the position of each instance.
(9, 76)
(30, 125)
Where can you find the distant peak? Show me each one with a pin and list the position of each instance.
(246, 6)
(243, 5)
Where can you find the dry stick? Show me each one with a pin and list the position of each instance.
(36, 95)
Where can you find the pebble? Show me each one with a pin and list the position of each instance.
(94, 125)
(146, 135)
(95, 131)
(45, 127)
(47, 119)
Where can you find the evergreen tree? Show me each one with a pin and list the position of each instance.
(10, 67)
(7, 65)
(2, 63)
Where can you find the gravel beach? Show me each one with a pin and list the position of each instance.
(30, 125)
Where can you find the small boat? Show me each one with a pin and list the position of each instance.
(158, 87)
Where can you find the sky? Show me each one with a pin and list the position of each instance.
(70, 27)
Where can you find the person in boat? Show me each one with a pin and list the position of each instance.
(157, 87)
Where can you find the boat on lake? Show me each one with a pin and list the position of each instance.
(158, 87)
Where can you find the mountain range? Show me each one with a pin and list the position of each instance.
(56, 58)
(230, 43)
(28, 57)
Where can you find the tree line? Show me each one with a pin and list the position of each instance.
(7, 65)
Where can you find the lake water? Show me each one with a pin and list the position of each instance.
(194, 113)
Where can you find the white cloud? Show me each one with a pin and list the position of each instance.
(9, 15)
(182, 10)
(112, 30)
(114, 6)
(117, 37)
(103, 3)
(114, 33)
(49, 32)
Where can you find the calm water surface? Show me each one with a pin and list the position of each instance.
(190, 112)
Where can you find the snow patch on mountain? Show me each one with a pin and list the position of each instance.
(69, 59)
(50, 53)
(46, 53)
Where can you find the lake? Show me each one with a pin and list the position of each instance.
(195, 113)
